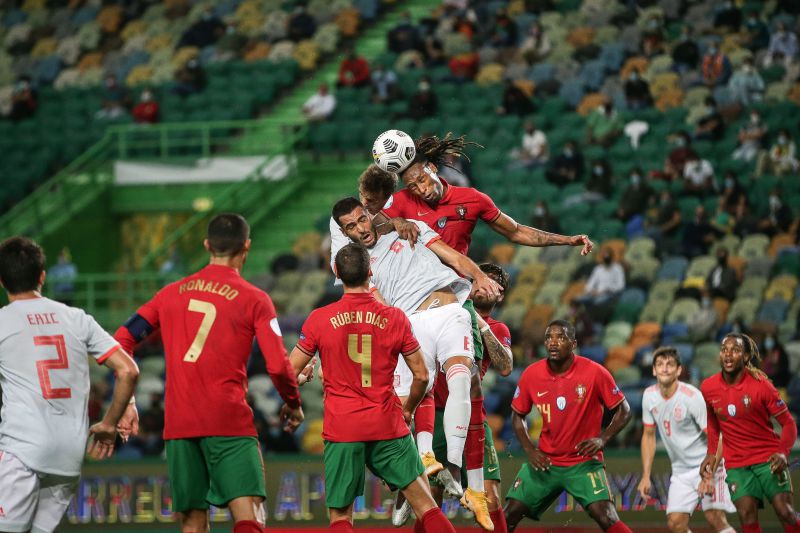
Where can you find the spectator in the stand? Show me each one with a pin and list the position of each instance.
(320, 105)
(732, 191)
(782, 45)
(721, 282)
(190, 79)
(23, 101)
(698, 234)
(603, 125)
(301, 25)
(686, 53)
(600, 178)
(232, 43)
(722, 222)
(115, 93)
(716, 66)
(384, 84)
(780, 159)
(750, 137)
(62, 277)
(515, 101)
(544, 220)
(653, 36)
(566, 167)
(703, 322)
(663, 220)
(711, 126)
(423, 103)
(779, 216)
(536, 45)
(146, 111)
(775, 360)
(728, 17)
(404, 36)
(756, 33)
(434, 52)
(353, 70)
(204, 32)
(636, 196)
(745, 223)
(676, 160)
(503, 33)
(698, 176)
(746, 85)
(464, 67)
(637, 91)
(606, 282)
(456, 170)
(534, 151)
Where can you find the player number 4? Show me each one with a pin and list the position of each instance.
(209, 315)
(361, 356)
(44, 366)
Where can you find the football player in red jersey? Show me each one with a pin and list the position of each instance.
(741, 402)
(359, 338)
(570, 392)
(208, 321)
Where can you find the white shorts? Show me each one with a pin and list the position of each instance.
(30, 501)
(442, 333)
(683, 496)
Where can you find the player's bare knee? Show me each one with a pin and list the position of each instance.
(514, 512)
(716, 519)
(457, 360)
(603, 513)
(785, 511)
(678, 522)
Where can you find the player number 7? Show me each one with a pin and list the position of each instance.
(209, 315)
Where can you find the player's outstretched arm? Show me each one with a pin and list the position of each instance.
(465, 266)
(105, 432)
(621, 417)
(528, 236)
(501, 356)
(648, 454)
(419, 383)
(537, 458)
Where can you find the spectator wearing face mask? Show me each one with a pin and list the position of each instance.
(653, 36)
(686, 53)
(779, 216)
(23, 101)
(604, 125)
(775, 361)
(536, 46)
(637, 91)
(146, 111)
(677, 157)
(745, 222)
(781, 158)
(746, 85)
(732, 191)
(384, 85)
(703, 322)
(663, 220)
(567, 167)
(353, 70)
(600, 178)
(698, 234)
(721, 282)
(710, 126)
(756, 33)
(716, 66)
(728, 17)
(750, 137)
(698, 177)
(782, 46)
(543, 220)
(515, 101)
(320, 105)
(605, 283)
(423, 103)
(534, 151)
(636, 196)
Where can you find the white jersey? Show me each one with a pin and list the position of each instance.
(44, 374)
(681, 422)
(407, 276)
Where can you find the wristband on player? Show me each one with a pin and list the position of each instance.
(132, 401)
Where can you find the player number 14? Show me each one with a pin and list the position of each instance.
(544, 409)
(361, 356)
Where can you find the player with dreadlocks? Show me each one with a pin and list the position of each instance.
(740, 402)
(453, 212)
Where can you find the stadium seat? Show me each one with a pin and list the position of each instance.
(701, 266)
(639, 249)
(673, 268)
(674, 332)
(754, 246)
(760, 266)
(595, 352)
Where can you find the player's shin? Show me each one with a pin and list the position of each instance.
(457, 412)
(435, 520)
(476, 438)
(499, 521)
(619, 527)
(248, 526)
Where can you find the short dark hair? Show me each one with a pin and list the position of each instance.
(343, 207)
(21, 265)
(567, 327)
(375, 179)
(669, 352)
(497, 273)
(227, 234)
(352, 265)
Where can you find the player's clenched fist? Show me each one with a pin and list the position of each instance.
(292, 417)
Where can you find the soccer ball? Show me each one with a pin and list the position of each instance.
(393, 150)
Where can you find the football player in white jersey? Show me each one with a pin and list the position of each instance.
(44, 374)
(679, 412)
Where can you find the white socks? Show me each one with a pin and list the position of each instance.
(425, 442)
(456, 412)
(475, 479)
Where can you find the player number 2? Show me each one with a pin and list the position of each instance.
(362, 356)
(44, 366)
(209, 315)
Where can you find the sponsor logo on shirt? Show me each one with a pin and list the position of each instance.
(516, 392)
(731, 409)
(442, 222)
(461, 211)
(540, 394)
(561, 403)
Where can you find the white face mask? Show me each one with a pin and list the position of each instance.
(774, 203)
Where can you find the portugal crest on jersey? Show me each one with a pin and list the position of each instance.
(746, 401)
(580, 390)
(461, 211)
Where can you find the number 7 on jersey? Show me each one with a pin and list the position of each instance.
(209, 316)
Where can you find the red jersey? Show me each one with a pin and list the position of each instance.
(743, 412)
(359, 339)
(571, 405)
(454, 217)
(208, 321)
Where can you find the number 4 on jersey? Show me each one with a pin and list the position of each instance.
(362, 356)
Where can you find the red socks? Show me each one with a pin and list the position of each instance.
(619, 527)
(792, 528)
(499, 521)
(434, 521)
(751, 528)
(473, 449)
(425, 415)
(419, 527)
(247, 526)
(341, 525)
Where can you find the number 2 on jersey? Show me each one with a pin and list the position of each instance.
(44, 366)
(361, 357)
(209, 315)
